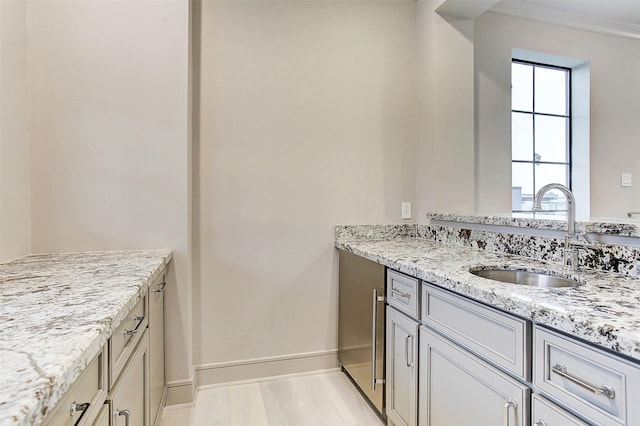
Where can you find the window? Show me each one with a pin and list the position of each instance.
(540, 134)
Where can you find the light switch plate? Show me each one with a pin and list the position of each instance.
(625, 179)
(406, 210)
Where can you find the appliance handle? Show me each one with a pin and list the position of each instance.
(374, 333)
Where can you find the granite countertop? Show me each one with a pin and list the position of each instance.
(56, 313)
(605, 310)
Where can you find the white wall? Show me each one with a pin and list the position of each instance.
(445, 148)
(15, 186)
(307, 120)
(109, 133)
(615, 90)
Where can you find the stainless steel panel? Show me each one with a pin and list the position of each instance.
(358, 278)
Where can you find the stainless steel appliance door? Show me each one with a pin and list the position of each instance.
(359, 278)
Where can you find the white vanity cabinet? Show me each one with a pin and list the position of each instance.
(138, 389)
(457, 388)
(124, 339)
(600, 387)
(402, 326)
(479, 365)
(466, 351)
(157, 383)
(103, 416)
(129, 399)
(124, 385)
(82, 403)
(546, 413)
(402, 369)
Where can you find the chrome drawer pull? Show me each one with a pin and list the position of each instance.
(604, 390)
(78, 407)
(508, 405)
(125, 413)
(540, 423)
(400, 293)
(139, 319)
(161, 287)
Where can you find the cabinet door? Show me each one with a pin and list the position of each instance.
(402, 354)
(546, 413)
(130, 397)
(457, 388)
(156, 344)
(82, 402)
(103, 416)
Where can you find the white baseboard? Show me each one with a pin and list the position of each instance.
(180, 392)
(260, 368)
(267, 379)
(249, 371)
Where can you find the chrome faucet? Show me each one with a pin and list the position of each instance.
(570, 254)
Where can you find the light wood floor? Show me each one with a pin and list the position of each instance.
(312, 400)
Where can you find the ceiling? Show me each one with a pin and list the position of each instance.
(623, 11)
(615, 17)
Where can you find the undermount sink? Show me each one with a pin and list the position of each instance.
(520, 277)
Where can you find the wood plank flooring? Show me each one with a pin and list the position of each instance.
(326, 399)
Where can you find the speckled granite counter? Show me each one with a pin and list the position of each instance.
(56, 313)
(605, 310)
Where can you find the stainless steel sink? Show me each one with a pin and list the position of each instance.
(520, 277)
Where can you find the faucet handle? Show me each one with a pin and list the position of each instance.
(584, 236)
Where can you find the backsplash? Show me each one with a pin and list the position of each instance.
(607, 257)
(624, 259)
(374, 232)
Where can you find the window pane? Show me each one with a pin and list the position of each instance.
(551, 173)
(551, 91)
(522, 186)
(554, 202)
(521, 136)
(521, 87)
(551, 138)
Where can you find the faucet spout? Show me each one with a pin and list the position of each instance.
(571, 210)
(570, 254)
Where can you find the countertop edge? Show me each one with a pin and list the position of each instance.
(48, 398)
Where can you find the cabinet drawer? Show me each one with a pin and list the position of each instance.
(457, 388)
(546, 413)
(499, 338)
(83, 401)
(601, 387)
(102, 419)
(125, 337)
(402, 293)
(129, 399)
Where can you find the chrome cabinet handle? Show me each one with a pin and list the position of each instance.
(605, 390)
(400, 293)
(125, 413)
(540, 423)
(75, 407)
(413, 361)
(406, 350)
(508, 405)
(139, 319)
(161, 286)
